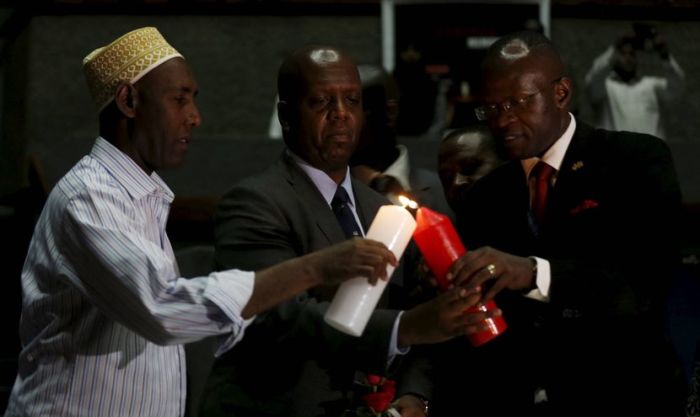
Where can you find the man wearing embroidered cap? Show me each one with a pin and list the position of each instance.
(105, 311)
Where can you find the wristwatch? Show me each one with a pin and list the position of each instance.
(426, 407)
(426, 404)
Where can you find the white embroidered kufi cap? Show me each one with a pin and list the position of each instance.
(128, 58)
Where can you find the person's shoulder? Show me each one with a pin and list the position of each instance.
(424, 177)
(87, 176)
(496, 184)
(624, 144)
(503, 172)
(266, 181)
(628, 139)
(366, 195)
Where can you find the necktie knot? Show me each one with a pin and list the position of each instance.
(543, 172)
(343, 212)
(340, 199)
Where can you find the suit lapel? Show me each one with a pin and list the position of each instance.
(312, 197)
(366, 209)
(574, 173)
(516, 201)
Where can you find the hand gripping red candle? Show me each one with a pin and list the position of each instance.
(437, 240)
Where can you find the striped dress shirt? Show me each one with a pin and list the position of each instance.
(104, 311)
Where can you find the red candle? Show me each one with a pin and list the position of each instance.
(437, 240)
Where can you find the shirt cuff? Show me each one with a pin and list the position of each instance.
(542, 281)
(394, 348)
(231, 292)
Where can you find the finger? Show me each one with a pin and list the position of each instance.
(497, 286)
(392, 258)
(475, 328)
(372, 274)
(468, 300)
(387, 254)
(460, 277)
(384, 272)
(487, 272)
(376, 262)
(473, 263)
(378, 266)
(494, 312)
(457, 266)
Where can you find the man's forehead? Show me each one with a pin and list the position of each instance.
(344, 76)
(174, 74)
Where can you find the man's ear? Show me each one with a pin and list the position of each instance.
(283, 115)
(562, 92)
(126, 98)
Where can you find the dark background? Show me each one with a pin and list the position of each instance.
(47, 120)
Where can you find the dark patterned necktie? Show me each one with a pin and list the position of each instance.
(543, 182)
(343, 212)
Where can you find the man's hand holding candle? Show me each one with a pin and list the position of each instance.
(329, 266)
(357, 257)
(494, 271)
(443, 318)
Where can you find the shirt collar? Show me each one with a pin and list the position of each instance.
(400, 168)
(555, 154)
(325, 184)
(125, 170)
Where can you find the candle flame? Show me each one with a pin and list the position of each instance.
(407, 202)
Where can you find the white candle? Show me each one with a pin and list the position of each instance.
(356, 299)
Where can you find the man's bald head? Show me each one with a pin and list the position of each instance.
(523, 48)
(297, 68)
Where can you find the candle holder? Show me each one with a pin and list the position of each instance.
(440, 245)
(356, 298)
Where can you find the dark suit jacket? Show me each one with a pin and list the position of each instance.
(599, 347)
(303, 364)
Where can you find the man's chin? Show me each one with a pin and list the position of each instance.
(173, 164)
(339, 159)
(514, 149)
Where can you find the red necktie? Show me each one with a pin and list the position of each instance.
(543, 175)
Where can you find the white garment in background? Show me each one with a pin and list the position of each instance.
(636, 106)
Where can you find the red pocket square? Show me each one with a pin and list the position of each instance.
(585, 205)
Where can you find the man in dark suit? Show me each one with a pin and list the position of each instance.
(380, 160)
(580, 260)
(305, 366)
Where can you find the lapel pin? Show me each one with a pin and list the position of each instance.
(577, 165)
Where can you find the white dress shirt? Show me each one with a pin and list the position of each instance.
(327, 187)
(554, 158)
(104, 311)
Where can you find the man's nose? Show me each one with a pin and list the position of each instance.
(195, 117)
(461, 179)
(505, 115)
(339, 109)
